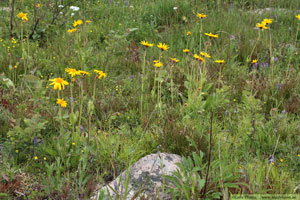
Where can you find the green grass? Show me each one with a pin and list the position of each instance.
(251, 112)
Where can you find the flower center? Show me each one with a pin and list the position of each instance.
(59, 80)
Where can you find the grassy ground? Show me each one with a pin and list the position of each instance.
(241, 116)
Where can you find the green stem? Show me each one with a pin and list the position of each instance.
(296, 35)
(81, 104)
(271, 59)
(200, 35)
(59, 113)
(72, 108)
(254, 45)
(143, 80)
(172, 98)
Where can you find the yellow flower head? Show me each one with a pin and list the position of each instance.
(210, 35)
(45, 158)
(72, 30)
(100, 73)
(254, 61)
(201, 15)
(261, 26)
(267, 21)
(298, 17)
(163, 46)
(188, 33)
(58, 83)
(17, 151)
(199, 58)
(220, 61)
(174, 60)
(205, 54)
(37, 5)
(281, 160)
(35, 158)
(84, 72)
(72, 72)
(146, 44)
(77, 22)
(158, 64)
(88, 21)
(185, 50)
(23, 16)
(61, 102)
(155, 61)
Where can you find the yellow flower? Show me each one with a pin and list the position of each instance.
(37, 5)
(58, 82)
(163, 46)
(36, 158)
(23, 16)
(185, 50)
(158, 65)
(100, 74)
(13, 40)
(61, 102)
(88, 21)
(146, 44)
(17, 151)
(281, 160)
(73, 72)
(188, 33)
(83, 72)
(298, 17)
(199, 58)
(254, 61)
(219, 61)
(73, 143)
(298, 155)
(174, 60)
(210, 35)
(15, 66)
(155, 61)
(201, 15)
(77, 23)
(205, 54)
(267, 21)
(196, 56)
(261, 26)
(72, 30)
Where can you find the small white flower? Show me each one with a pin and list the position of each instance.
(74, 8)
(175, 8)
(60, 6)
(61, 13)
(72, 14)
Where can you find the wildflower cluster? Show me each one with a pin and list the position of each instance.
(264, 23)
(59, 83)
(23, 16)
(76, 24)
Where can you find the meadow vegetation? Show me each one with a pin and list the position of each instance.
(88, 87)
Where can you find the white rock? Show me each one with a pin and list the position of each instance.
(146, 174)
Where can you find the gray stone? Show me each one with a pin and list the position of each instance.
(145, 178)
(273, 11)
(5, 9)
